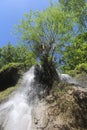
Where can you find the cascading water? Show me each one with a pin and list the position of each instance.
(68, 79)
(16, 113)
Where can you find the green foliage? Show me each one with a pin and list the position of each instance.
(81, 68)
(9, 66)
(50, 33)
(18, 54)
(78, 11)
(75, 54)
(46, 32)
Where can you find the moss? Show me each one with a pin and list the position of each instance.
(11, 65)
(4, 94)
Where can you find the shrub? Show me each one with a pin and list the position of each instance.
(81, 68)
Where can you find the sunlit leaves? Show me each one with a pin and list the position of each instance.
(76, 53)
(46, 31)
(79, 11)
(11, 54)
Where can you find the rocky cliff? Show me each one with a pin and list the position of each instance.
(65, 108)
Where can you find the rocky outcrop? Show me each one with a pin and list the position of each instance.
(9, 75)
(64, 109)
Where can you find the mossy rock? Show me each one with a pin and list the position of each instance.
(10, 74)
(5, 94)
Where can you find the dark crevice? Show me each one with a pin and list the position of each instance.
(8, 78)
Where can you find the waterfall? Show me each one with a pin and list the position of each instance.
(68, 79)
(16, 113)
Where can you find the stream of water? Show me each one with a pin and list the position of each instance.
(16, 113)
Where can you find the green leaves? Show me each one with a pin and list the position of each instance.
(11, 54)
(57, 33)
(76, 53)
(46, 32)
(78, 11)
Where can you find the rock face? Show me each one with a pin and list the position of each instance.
(10, 75)
(63, 109)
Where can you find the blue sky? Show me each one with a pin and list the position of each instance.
(11, 12)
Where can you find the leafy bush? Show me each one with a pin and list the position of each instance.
(81, 68)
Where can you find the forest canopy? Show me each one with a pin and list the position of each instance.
(18, 54)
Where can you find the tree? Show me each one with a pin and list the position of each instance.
(75, 54)
(18, 54)
(45, 33)
(78, 10)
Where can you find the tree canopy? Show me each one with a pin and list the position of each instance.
(52, 34)
(46, 32)
(75, 54)
(78, 10)
(18, 54)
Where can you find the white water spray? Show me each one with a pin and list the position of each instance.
(16, 113)
(68, 79)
